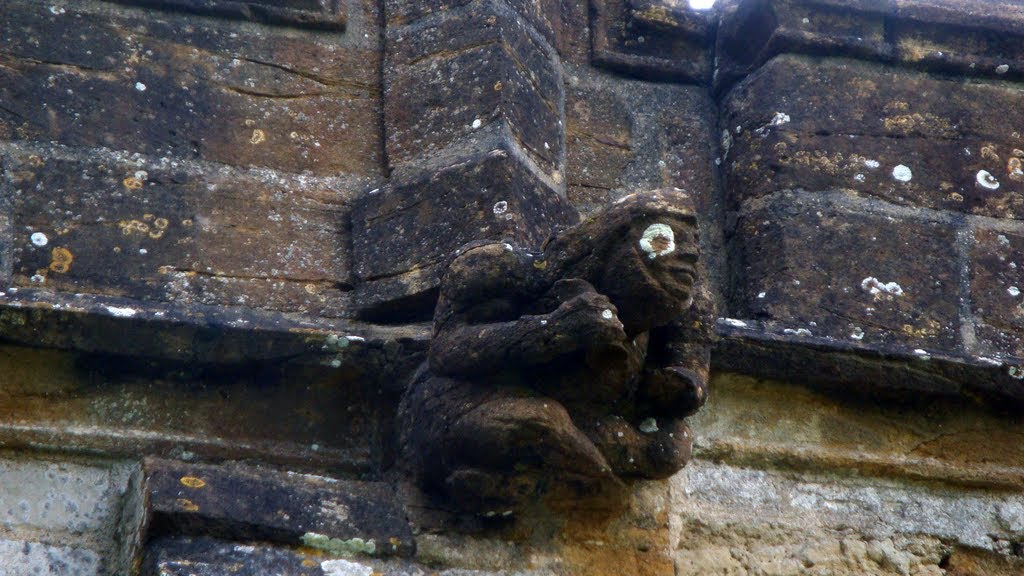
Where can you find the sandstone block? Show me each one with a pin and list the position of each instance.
(487, 60)
(121, 225)
(653, 39)
(404, 233)
(818, 266)
(997, 293)
(21, 558)
(251, 503)
(191, 88)
(876, 130)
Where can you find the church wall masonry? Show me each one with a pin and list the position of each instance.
(223, 224)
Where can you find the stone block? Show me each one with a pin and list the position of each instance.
(559, 22)
(21, 558)
(874, 130)
(326, 14)
(87, 76)
(997, 293)
(654, 39)
(818, 265)
(970, 37)
(252, 503)
(404, 233)
(491, 63)
(158, 230)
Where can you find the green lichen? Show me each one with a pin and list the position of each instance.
(339, 547)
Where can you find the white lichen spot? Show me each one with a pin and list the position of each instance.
(922, 354)
(859, 178)
(143, 251)
(986, 180)
(38, 279)
(658, 240)
(39, 239)
(762, 294)
(857, 333)
(543, 322)
(1003, 240)
(619, 434)
(648, 426)
(1013, 291)
(339, 567)
(500, 207)
(873, 286)
(121, 312)
(990, 361)
(902, 173)
(1015, 372)
(1002, 69)
(873, 164)
(140, 86)
(336, 363)
(607, 314)
(57, 10)
(734, 322)
(780, 118)
(797, 332)
(477, 123)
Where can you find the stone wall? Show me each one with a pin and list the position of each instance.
(222, 224)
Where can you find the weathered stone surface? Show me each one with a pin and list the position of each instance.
(852, 125)
(652, 38)
(561, 23)
(846, 525)
(561, 366)
(407, 229)
(329, 14)
(67, 517)
(754, 422)
(489, 61)
(820, 265)
(21, 558)
(253, 503)
(968, 37)
(116, 224)
(85, 75)
(290, 393)
(997, 293)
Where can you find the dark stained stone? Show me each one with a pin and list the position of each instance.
(178, 86)
(409, 227)
(997, 292)
(327, 14)
(486, 59)
(850, 124)
(967, 37)
(653, 39)
(256, 503)
(116, 224)
(574, 365)
(822, 265)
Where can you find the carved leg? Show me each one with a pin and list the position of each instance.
(490, 447)
(652, 449)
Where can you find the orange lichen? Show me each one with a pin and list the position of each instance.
(258, 137)
(61, 259)
(192, 482)
(132, 183)
(187, 505)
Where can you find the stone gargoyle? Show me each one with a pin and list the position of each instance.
(575, 364)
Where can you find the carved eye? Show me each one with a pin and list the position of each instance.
(658, 240)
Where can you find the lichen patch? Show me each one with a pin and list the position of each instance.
(658, 240)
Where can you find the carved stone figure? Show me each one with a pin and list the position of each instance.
(576, 364)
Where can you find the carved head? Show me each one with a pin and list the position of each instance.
(641, 252)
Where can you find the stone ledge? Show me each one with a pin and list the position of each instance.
(317, 14)
(766, 350)
(243, 502)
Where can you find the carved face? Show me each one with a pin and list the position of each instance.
(650, 275)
